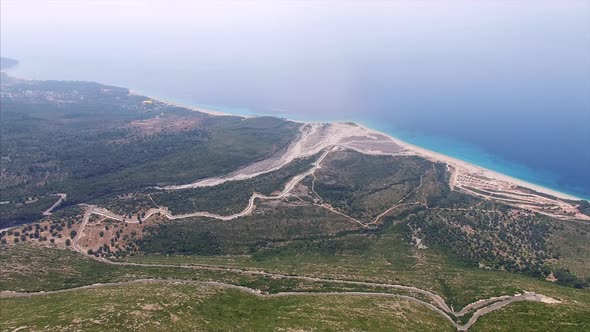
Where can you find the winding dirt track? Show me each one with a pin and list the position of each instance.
(247, 210)
(436, 302)
(439, 306)
(256, 292)
(62, 197)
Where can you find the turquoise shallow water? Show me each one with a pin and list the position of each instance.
(447, 146)
(578, 183)
(501, 84)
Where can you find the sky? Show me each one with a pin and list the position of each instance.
(345, 43)
(333, 50)
(28, 24)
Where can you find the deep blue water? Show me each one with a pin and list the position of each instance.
(501, 84)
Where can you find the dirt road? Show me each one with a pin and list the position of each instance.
(460, 327)
(62, 197)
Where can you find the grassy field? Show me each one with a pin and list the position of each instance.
(386, 259)
(32, 269)
(571, 240)
(208, 308)
(475, 249)
(272, 224)
(526, 316)
(142, 307)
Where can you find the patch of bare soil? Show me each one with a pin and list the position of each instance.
(49, 232)
(161, 125)
(109, 237)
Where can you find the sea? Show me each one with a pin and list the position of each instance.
(500, 84)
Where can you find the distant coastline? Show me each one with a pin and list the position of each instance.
(530, 183)
(489, 166)
(486, 172)
(424, 152)
(540, 187)
(6, 63)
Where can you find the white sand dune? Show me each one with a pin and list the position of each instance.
(466, 177)
(313, 138)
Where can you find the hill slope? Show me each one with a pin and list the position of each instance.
(206, 222)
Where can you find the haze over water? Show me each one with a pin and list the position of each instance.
(502, 84)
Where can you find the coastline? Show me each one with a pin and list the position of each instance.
(420, 151)
(417, 150)
(190, 107)
(545, 184)
(436, 156)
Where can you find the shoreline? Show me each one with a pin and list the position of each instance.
(190, 107)
(420, 151)
(436, 156)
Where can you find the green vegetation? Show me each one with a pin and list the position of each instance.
(379, 257)
(104, 146)
(45, 233)
(569, 240)
(89, 140)
(32, 269)
(126, 203)
(525, 316)
(230, 197)
(364, 186)
(148, 307)
(29, 268)
(66, 269)
(493, 237)
(23, 211)
(270, 226)
(584, 207)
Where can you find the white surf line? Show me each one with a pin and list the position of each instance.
(256, 292)
(288, 187)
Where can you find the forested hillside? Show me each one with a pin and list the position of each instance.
(89, 140)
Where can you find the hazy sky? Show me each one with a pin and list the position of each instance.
(298, 26)
(330, 51)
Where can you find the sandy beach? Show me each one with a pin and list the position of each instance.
(465, 177)
(193, 108)
(435, 156)
(351, 136)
